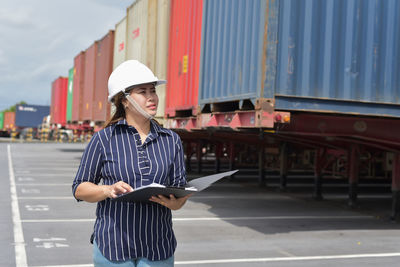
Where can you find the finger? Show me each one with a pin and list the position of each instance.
(163, 198)
(172, 197)
(120, 189)
(127, 187)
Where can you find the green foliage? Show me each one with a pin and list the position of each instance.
(12, 108)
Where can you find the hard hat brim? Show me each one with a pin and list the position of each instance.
(156, 83)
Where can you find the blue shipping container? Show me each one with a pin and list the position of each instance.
(323, 56)
(30, 115)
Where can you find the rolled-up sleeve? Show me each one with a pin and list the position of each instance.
(178, 172)
(90, 166)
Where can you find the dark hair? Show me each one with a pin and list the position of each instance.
(119, 113)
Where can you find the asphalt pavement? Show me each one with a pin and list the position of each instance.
(232, 223)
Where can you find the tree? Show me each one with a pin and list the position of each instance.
(13, 108)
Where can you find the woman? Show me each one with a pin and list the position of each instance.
(130, 152)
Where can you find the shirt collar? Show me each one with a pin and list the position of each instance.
(154, 127)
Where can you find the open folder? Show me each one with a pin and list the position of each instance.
(144, 193)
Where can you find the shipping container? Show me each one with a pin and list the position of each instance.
(147, 24)
(79, 75)
(141, 23)
(320, 56)
(119, 43)
(160, 70)
(1, 120)
(59, 94)
(184, 56)
(89, 82)
(232, 50)
(70, 95)
(104, 64)
(339, 56)
(9, 120)
(30, 115)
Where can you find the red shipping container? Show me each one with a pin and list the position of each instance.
(89, 82)
(184, 56)
(79, 75)
(9, 120)
(59, 94)
(104, 67)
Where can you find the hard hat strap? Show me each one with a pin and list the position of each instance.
(137, 107)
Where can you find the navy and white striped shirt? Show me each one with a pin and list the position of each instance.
(128, 230)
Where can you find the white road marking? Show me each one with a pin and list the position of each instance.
(37, 207)
(304, 258)
(20, 253)
(271, 259)
(30, 191)
(46, 184)
(219, 219)
(272, 218)
(46, 198)
(57, 220)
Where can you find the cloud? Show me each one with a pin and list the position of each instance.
(39, 40)
(15, 16)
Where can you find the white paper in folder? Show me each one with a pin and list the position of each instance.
(143, 194)
(204, 182)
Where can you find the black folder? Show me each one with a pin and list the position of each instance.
(144, 193)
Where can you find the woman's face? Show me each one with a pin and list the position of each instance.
(145, 95)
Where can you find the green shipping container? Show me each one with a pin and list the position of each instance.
(70, 94)
(1, 120)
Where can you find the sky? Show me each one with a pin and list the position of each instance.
(40, 38)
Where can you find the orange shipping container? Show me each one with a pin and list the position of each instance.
(79, 72)
(184, 57)
(104, 67)
(89, 82)
(58, 108)
(9, 120)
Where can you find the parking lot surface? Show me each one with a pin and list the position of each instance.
(232, 223)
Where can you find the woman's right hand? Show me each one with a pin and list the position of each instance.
(112, 191)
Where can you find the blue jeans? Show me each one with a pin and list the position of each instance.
(100, 261)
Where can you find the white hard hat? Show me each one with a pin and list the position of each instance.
(128, 74)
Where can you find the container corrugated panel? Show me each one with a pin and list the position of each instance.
(79, 75)
(89, 82)
(161, 59)
(54, 109)
(9, 120)
(1, 120)
(30, 115)
(119, 43)
(322, 56)
(104, 64)
(232, 50)
(141, 22)
(70, 93)
(59, 101)
(339, 50)
(184, 56)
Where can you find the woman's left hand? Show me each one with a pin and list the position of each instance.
(171, 202)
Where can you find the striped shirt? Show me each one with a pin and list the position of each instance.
(128, 230)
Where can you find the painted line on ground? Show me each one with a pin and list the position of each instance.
(70, 184)
(219, 218)
(19, 242)
(271, 259)
(304, 258)
(46, 198)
